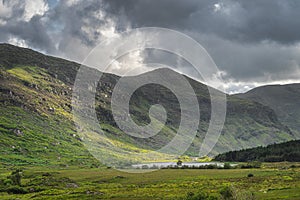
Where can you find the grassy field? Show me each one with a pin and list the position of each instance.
(272, 181)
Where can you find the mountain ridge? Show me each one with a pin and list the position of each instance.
(40, 88)
(283, 99)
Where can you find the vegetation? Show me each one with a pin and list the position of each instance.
(36, 124)
(272, 181)
(283, 99)
(287, 151)
(16, 177)
(42, 156)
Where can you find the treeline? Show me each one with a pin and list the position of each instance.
(287, 151)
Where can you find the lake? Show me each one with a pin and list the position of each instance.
(174, 164)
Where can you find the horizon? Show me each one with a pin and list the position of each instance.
(150, 70)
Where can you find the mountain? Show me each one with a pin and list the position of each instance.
(36, 124)
(283, 99)
(287, 151)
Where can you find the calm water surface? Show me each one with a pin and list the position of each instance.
(166, 164)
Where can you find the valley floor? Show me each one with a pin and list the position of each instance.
(272, 181)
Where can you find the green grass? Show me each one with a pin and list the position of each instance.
(44, 140)
(269, 182)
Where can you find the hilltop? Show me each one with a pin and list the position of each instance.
(283, 99)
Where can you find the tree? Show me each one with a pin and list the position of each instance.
(179, 163)
(227, 166)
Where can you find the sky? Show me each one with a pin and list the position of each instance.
(253, 43)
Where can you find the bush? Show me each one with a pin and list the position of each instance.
(16, 177)
(200, 196)
(179, 163)
(212, 166)
(251, 165)
(154, 167)
(16, 190)
(5, 182)
(189, 195)
(227, 166)
(145, 167)
(232, 193)
(227, 193)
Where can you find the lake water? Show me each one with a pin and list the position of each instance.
(166, 164)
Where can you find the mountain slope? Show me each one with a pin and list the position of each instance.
(36, 122)
(283, 99)
(287, 151)
(36, 125)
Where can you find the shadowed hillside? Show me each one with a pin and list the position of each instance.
(283, 99)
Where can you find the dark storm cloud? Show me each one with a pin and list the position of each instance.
(33, 32)
(249, 40)
(73, 18)
(51, 30)
(256, 61)
(244, 20)
(22, 21)
(167, 13)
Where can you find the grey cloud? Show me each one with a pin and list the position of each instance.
(254, 62)
(73, 18)
(34, 31)
(259, 62)
(252, 41)
(81, 27)
(244, 21)
(167, 13)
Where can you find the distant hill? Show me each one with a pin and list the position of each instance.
(36, 125)
(283, 99)
(287, 151)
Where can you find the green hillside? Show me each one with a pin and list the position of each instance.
(283, 99)
(287, 151)
(36, 124)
